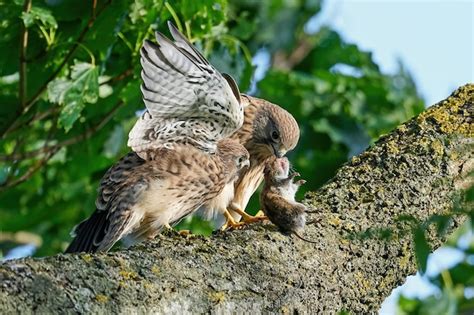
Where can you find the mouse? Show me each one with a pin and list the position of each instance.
(277, 198)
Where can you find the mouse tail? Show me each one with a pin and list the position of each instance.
(303, 239)
(311, 211)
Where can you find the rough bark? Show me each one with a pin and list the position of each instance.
(416, 170)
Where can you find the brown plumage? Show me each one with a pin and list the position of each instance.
(268, 131)
(137, 198)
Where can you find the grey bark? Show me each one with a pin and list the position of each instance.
(415, 170)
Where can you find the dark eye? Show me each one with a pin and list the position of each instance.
(275, 135)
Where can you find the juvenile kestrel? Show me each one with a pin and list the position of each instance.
(182, 160)
(137, 198)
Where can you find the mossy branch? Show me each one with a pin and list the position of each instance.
(414, 171)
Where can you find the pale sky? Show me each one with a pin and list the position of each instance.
(434, 39)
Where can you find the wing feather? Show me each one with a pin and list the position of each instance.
(188, 101)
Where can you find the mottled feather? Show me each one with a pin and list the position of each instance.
(188, 101)
(137, 198)
(261, 120)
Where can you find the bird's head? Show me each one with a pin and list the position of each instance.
(231, 151)
(275, 131)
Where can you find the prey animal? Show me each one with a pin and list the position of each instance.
(278, 198)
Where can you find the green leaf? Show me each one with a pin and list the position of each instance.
(40, 16)
(70, 113)
(74, 93)
(422, 248)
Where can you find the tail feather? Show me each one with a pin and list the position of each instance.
(89, 234)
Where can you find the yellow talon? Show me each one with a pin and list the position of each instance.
(230, 223)
(247, 218)
(185, 233)
(170, 231)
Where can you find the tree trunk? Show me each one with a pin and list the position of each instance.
(414, 171)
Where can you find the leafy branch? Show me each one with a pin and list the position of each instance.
(26, 105)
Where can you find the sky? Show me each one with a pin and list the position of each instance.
(434, 39)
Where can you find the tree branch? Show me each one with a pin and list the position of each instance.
(410, 172)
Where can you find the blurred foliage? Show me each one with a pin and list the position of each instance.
(456, 284)
(81, 94)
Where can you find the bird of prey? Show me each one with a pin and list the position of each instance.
(137, 198)
(183, 158)
(268, 131)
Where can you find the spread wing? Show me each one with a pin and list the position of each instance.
(188, 101)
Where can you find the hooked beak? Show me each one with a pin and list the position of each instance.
(246, 163)
(278, 153)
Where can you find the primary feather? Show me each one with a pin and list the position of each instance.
(188, 101)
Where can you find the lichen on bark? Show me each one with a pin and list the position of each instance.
(412, 171)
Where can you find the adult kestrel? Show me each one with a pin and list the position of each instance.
(268, 131)
(137, 198)
(182, 160)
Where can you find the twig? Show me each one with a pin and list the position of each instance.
(283, 61)
(45, 149)
(34, 168)
(73, 49)
(38, 116)
(30, 172)
(23, 46)
(89, 132)
(120, 77)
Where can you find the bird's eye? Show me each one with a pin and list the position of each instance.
(275, 135)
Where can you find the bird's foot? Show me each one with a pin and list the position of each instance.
(247, 218)
(170, 231)
(230, 222)
(185, 233)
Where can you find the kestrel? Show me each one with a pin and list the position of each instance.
(182, 160)
(268, 131)
(137, 198)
